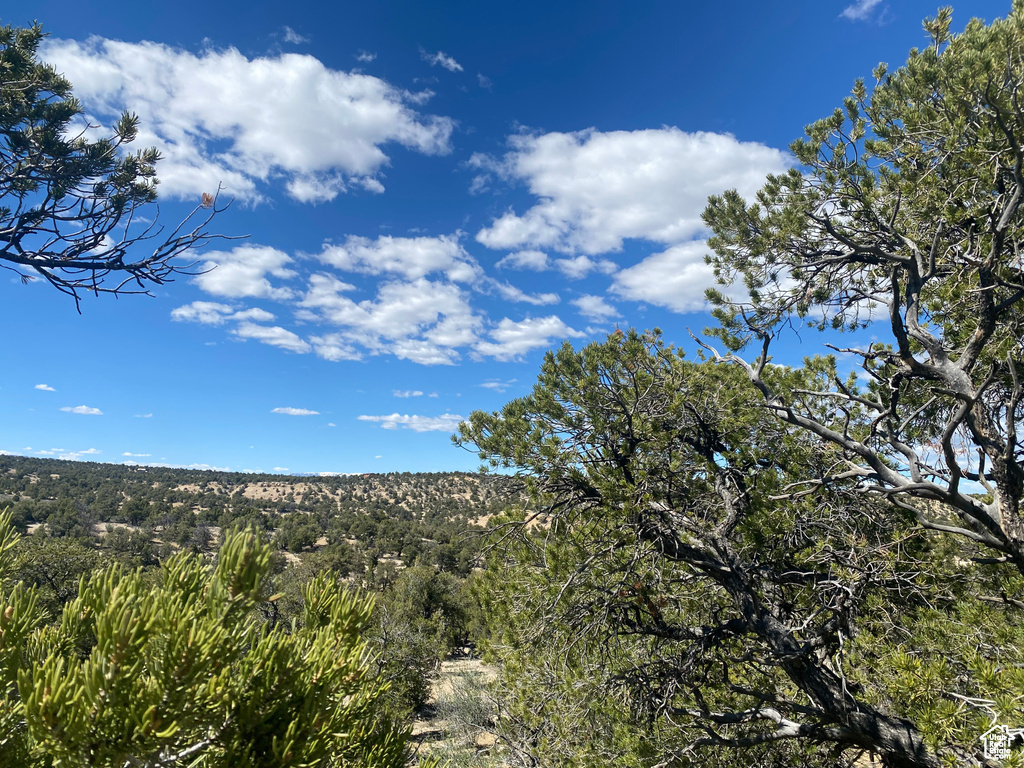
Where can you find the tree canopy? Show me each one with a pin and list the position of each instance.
(72, 206)
(904, 216)
(666, 599)
(806, 566)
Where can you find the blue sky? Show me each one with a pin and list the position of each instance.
(434, 194)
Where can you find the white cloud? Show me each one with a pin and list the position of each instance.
(365, 56)
(273, 335)
(83, 410)
(334, 347)
(597, 189)
(498, 385)
(860, 10)
(534, 260)
(675, 278)
(280, 469)
(423, 352)
(406, 393)
(206, 312)
(293, 37)
(511, 293)
(45, 387)
(255, 314)
(143, 415)
(409, 257)
(219, 117)
(511, 340)
(76, 455)
(422, 321)
(295, 411)
(595, 308)
(243, 272)
(484, 81)
(136, 455)
(212, 313)
(441, 58)
(447, 422)
(331, 424)
(581, 266)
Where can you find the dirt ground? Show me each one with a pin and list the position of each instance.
(434, 732)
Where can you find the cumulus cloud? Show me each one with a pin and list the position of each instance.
(595, 189)
(406, 393)
(220, 117)
(77, 455)
(860, 10)
(511, 340)
(675, 278)
(334, 347)
(83, 410)
(581, 266)
(295, 411)
(45, 387)
(511, 293)
(441, 58)
(409, 257)
(365, 57)
(422, 321)
(533, 260)
(212, 313)
(242, 272)
(274, 335)
(136, 455)
(447, 422)
(255, 314)
(594, 308)
(498, 385)
(206, 312)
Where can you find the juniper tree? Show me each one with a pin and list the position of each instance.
(184, 672)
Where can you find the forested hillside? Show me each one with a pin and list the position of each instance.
(401, 517)
(412, 540)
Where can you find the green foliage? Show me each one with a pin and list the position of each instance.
(683, 587)
(906, 210)
(420, 620)
(53, 568)
(62, 193)
(297, 532)
(184, 671)
(422, 519)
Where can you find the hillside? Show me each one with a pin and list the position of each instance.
(409, 517)
(413, 540)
